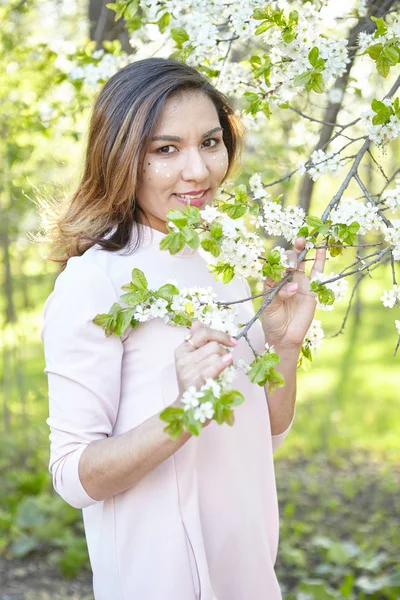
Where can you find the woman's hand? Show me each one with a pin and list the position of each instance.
(287, 319)
(202, 357)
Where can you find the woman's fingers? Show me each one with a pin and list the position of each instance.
(319, 262)
(201, 335)
(293, 255)
(209, 349)
(209, 368)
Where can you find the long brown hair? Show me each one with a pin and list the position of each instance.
(103, 210)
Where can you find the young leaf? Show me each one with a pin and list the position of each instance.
(167, 291)
(139, 279)
(212, 246)
(123, 321)
(216, 230)
(313, 56)
(179, 35)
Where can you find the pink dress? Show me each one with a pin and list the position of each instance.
(204, 524)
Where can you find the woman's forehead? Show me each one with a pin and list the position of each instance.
(187, 112)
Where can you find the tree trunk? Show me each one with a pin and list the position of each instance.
(378, 8)
(104, 27)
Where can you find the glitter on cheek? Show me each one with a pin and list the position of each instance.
(168, 175)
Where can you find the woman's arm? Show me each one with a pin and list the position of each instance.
(281, 402)
(112, 465)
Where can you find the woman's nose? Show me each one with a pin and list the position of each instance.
(194, 168)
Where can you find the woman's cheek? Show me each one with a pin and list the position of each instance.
(158, 171)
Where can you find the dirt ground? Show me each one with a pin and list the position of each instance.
(33, 578)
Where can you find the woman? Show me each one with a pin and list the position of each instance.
(164, 520)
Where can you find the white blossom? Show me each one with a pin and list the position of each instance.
(351, 210)
(190, 398)
(210, 213)
(335, 95)
(204, 411)
(397, 324)
(392, 197)
(391, 297)
(323, 162)
(314, 336)
(392, 236)
(382, 133)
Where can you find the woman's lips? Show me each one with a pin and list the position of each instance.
(194, 201)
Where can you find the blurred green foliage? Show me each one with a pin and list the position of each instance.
(337, 472)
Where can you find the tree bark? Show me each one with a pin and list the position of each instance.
(104, 27)
(378, 8)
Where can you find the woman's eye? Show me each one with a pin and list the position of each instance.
(166, 150)
(211, 143)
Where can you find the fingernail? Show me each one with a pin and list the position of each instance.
(292, 287)
(234, 341)
(227, 357)
(292, 264)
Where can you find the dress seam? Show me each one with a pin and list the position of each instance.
(115, 551)
(187, 538)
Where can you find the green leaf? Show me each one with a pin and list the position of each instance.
(178, 216)
(314, 222)
(390, 54)
(303, 79)
(123, 321)
(174, 430)
(228, 274)
(181, 319)
(139, 279)
(381, 27)
(172, 413)
(262, 28)
(273, 271)
(260, 13)
(231, 398)
(163, 22)
(303, 232)
(167, 291)
(288, 35)
(317, 83)
(274, 257)
(135, 297)
(326, 296)
(241, 194)
(191, 237)
(383, 66)
(234, 211)
(275, 380)
(212, 246)
(106, 321)
(179, 35)
(192, 425)
(374, 51)
(216, 230)
(313, 56)
(378, 106)
(174, 242)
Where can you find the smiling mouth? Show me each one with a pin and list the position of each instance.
(194, 199)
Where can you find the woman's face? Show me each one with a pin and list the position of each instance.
(186, 159)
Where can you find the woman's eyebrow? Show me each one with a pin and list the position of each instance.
(176, 138)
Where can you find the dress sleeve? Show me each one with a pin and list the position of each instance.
(277, 440)
(83, 367)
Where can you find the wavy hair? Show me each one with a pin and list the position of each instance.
(127, 110)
